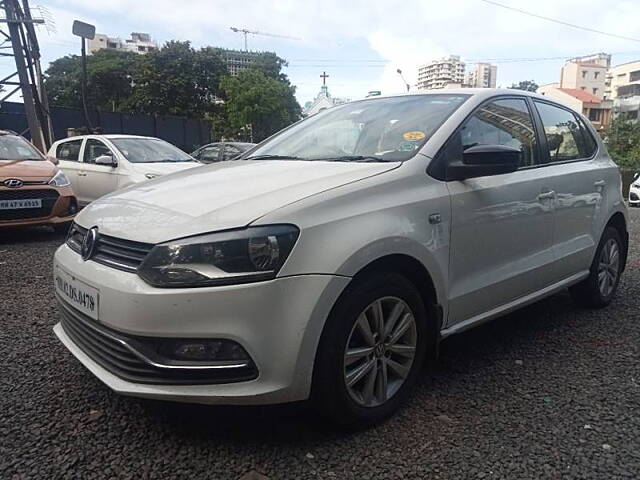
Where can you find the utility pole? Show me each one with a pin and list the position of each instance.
(26, 54)
(84, 31)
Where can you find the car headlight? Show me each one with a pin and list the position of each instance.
(59, 180)
(151, 175)
(235, 256)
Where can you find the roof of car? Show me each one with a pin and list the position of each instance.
(479, 92)
(108, 135)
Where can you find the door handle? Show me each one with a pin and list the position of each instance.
(599, 183)
(547, 195)
(82, 174)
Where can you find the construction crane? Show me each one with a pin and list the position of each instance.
(245, 32)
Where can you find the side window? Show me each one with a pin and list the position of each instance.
(210, 154)
(93, 149)
(69, 151)
(589, 146)
(503, 122)
(231, 151)
(564, 137)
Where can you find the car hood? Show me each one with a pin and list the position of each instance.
(163, 168)
(216, 197)
(34, 170)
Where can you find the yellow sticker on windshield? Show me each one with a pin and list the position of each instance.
(413, 136)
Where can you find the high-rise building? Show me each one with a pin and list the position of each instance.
(588, 74)
(482, 76)
(440, 73)
(139, 43)
(238, 60)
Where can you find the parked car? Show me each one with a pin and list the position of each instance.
(634, 191)
(100, 164)
(33, 191)
(328, 263)
(220, 152)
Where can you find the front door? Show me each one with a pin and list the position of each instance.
(502, 225)
(96, 180)
(68, 155)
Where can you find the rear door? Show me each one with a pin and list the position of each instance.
(502, 225)
(68, 155)
(96, 180)
(579, 179)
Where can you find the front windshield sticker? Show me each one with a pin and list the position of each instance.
(406, 147)
(413, 136)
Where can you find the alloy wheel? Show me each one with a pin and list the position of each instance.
(608, 267)
(380, 351)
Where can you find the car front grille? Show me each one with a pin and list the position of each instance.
(114, 252)
(48, 196)
(112, 350)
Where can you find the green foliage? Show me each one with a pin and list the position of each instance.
(259, 104)
(180, 80)
(623, 142)
(526, 85)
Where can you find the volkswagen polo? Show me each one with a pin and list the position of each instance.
(330, 261)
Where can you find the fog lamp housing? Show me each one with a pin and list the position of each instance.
(203, 350)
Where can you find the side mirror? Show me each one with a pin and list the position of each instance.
(636, 175)
(485, 160)
(53, 160)
(106, 160)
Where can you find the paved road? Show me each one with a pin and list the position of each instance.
(549, 392)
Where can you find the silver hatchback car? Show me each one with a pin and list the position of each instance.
(330, 261)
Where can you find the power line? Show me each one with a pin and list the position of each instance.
(560, 22)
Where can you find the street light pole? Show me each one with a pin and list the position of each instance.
(403, 80)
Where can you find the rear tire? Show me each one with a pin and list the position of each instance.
(599, 288)
(365, 368)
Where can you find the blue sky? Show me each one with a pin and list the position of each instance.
(360, 44)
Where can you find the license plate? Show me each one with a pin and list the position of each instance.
(80, 295)
(18, 204)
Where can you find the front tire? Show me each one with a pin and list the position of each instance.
(371, 351)
(599, 288)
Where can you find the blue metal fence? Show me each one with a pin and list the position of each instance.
(185, 133)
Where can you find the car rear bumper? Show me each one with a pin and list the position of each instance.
(278, 323)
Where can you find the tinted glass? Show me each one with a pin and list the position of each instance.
(589, 146)
(562, 131)
(69, 151)
(503, 122)
(231, 151)
(13, 147)
(94, 149)
(384, 129)
(149, 150)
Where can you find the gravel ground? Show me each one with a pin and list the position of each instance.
(549, 392)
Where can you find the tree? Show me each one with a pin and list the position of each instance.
(526, 85)
(260, 102)
(623, 142)
(109, 84)
(178, 80)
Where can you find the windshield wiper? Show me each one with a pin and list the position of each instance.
(354, 158)
(274, 157)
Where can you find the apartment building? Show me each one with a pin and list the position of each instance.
(138, 43)
(483, 75)
(439, 73)
(623, 87)
(588, 74)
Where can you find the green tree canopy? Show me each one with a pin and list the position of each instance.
(526, 85)
(260, 102)
(623, 142)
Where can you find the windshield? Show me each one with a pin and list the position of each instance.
(385, 129)
(13, 147)
(150, 150)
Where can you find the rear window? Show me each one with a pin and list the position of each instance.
(69, 151)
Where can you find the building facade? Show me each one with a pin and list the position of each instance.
(238, 60)
(138, 43)
(439, 73)
(588, 74)
(482, 76)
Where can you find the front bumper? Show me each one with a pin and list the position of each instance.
(59, 213)
(277, 322)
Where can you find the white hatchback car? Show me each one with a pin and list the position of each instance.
(330, 261)
(100, 164)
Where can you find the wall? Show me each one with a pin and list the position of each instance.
(185, 133)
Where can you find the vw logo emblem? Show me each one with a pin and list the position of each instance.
(13, 183)
(89, 243)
